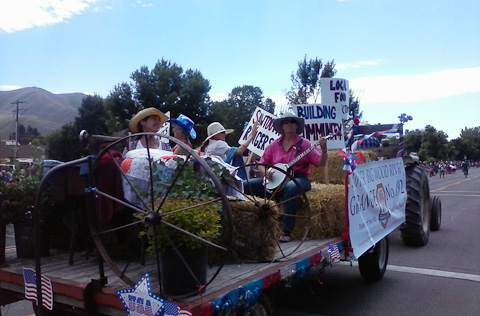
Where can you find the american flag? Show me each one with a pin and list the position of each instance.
(29, 276)
(172, 309)
(333, 249)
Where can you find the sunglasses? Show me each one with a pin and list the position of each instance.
(291, 121)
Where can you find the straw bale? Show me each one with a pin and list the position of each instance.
(335, 164)
(256, 232)
(326, 212)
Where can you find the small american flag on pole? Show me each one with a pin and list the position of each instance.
(29, 276)
(333, 250)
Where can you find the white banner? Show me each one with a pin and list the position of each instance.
(335, 91)
(321, 120)
(265, 134)
(376, 202)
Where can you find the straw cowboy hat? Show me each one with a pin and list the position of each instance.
(186, 123)
(216, 128)
(289, 116)
(143, 114)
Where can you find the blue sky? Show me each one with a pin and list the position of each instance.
(416, 57)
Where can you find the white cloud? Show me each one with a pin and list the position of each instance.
(357, 65)
(20, 15)
(417, 88)
(9, 87)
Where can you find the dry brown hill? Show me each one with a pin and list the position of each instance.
(42, 109)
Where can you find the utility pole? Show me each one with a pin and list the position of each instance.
(16, 127)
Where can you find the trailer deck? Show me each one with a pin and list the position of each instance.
(76, 286)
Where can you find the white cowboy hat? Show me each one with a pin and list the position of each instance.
(143, 114)
(216, 128)
(289, 116)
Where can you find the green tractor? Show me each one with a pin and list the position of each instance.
(422, 211)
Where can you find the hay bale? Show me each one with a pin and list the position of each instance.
(256, 230)
(326, 212)
(335, 164)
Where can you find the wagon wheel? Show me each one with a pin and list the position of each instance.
(134, 231)
(259, 221)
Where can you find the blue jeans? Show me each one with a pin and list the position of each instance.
(255, 187)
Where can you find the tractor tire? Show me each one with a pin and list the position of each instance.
(373, 263)
(416, 229)
(436, 214)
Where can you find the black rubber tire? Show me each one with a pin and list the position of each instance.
(436, 214)
(416, 229)
(373, 263)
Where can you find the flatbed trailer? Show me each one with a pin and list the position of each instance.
(86, 283)
(76, 287)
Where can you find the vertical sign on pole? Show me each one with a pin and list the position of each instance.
(335, 91)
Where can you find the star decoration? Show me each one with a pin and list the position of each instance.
(140, 300)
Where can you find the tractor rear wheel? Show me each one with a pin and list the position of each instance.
(416, 229)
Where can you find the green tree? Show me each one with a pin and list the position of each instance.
(238, 108)
(354, 106)
(121, 106)
(25, 135)
(307, 79)
(468, 144)
(64, 144)
(433, 144)
(92, 115)
(412, 141)
(167, 88)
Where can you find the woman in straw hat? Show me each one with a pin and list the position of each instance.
(148, 120)
(215, 145)
(283, 150)
(182, 128)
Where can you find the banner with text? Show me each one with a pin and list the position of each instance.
(321, 120)
(335, 91)
(265, 134)
(376, 202)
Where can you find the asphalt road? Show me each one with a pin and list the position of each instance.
(441, 278)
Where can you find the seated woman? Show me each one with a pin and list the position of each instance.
(215, 145)
(182, 128)
(284, 150)
(148, 121)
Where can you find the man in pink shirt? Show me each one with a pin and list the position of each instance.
(283, 150)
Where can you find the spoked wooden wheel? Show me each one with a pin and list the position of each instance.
(260, 220)
(153, 206)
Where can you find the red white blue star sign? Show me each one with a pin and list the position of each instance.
(140, 301)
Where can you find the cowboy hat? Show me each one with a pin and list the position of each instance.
(278, 123)
(186, 123)
(216, 128)
(143, 114)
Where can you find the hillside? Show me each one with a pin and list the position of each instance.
(42, 109)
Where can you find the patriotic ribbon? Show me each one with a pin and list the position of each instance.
(351, 161)
(357, 143)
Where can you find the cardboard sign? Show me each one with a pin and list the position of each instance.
(265, 134)
(321, 120)
(165, 129)
(377, 197)
(335, 91)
